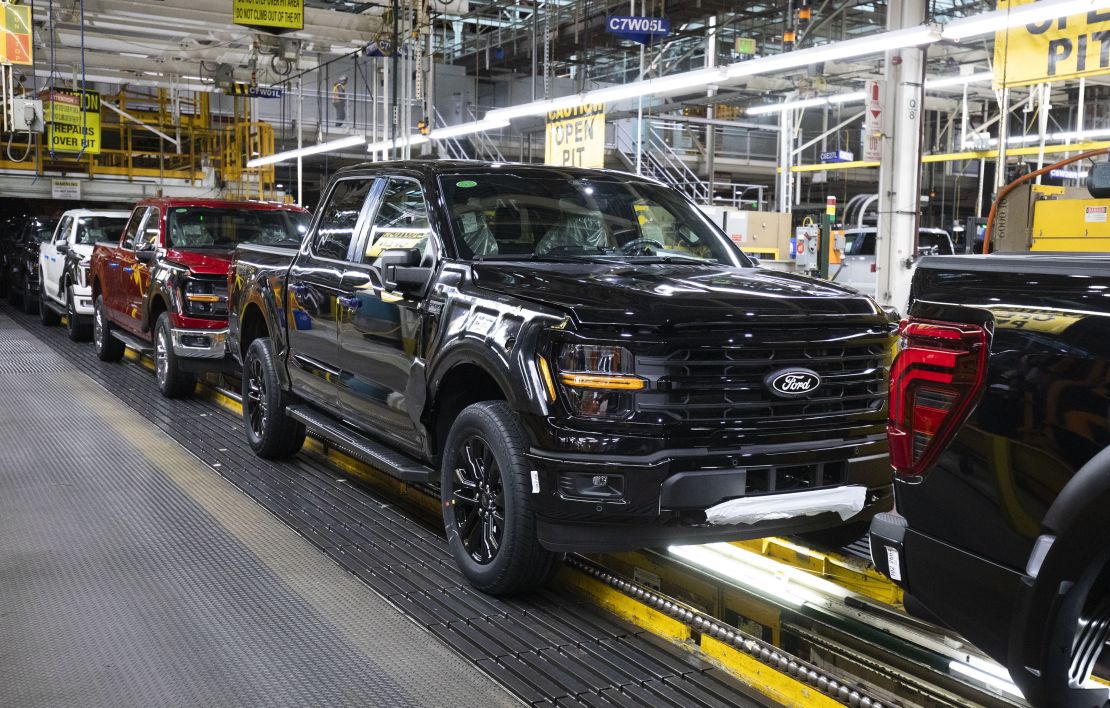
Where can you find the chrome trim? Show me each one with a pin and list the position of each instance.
(216, 349)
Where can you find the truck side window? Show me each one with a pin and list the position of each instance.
(401, 221)
(151, 230)
(340, 217)
(63, 229)
(131, 233)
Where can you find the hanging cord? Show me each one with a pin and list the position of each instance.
(83, 99)
(50, 76)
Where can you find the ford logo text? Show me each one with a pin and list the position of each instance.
(793, 382)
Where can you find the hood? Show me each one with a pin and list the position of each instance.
(206, 262)
(672, 293)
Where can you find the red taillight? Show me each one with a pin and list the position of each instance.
(935, 380)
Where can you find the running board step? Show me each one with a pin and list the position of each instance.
(369, 451)
(144, 348)
(53, 306)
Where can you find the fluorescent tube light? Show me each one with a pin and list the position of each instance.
(991, 22)
(415, 139)
(332, 146)
(478, 126)
(951, 81)
(535, 108)
(873, 44)
(663, 84)
(853, 96)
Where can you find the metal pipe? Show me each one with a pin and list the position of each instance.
(133, 119)
(300, 141)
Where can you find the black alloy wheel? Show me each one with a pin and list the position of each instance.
(488, 502)
(270, 432)
(479, 501)
(77, 332)
(254, 398)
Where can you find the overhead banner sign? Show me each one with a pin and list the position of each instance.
(1053, 50)
(276, 15)
(240, 88)
(15, 23)
(639, 29)
(576, 137)
(71, 116)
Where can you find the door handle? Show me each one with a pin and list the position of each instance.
(351, 303)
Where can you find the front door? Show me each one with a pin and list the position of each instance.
(313, 286)
(115, 287)
(136, 274)
(381, 332)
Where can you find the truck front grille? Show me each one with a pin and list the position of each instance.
(714, 384)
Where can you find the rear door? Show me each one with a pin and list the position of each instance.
(111, 273)
(380, 331)
(52, 262)
(135, 275)
(314, 284)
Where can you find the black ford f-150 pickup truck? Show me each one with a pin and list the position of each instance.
(1000, 437)
(579, 358)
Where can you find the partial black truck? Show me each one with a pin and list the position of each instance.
(578, 358)
(1000, 438)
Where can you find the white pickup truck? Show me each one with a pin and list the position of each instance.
(857, 266)
(64, 264)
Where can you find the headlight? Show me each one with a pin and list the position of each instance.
(83, 273)
(207, 298)
(597, 380)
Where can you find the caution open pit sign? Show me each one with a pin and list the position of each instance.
(576, 137)
(1053, 50)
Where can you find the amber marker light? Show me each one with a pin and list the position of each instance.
(545, 371)
(619, 383)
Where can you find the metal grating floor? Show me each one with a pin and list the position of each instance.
(132, 575)
(546, 649)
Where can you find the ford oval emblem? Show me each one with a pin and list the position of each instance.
(791, 383)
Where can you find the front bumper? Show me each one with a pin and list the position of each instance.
(82, 300)
(593, 503)
(199, 343)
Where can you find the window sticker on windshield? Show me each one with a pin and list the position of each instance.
(466, 184)
(396, 238)
(181, 210)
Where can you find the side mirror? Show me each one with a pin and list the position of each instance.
(754, 260)
(401, 269)
(145, 255)
(1098, 180)
(62, 245)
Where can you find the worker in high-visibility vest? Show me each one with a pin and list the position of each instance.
(339, 100)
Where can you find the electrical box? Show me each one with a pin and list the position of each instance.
(765, 234)
(27, 115)
(1081, 225)
(806, 238)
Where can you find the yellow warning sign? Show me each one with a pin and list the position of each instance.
(280, 14)
(576, 137)
(72, 120)
(1052, 50)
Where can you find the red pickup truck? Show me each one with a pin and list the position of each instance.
(162, 289)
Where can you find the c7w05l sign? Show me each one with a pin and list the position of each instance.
(1052, 50)
(638, 29)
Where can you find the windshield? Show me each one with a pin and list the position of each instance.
(937, 242)
(91, 229)
(218, 227)
(558, 216)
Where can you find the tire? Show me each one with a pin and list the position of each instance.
(172, 381)
(77, 332)
(486, 495)
(30, 299)
(107, 347)
(270, 433)
(837, 537)
(47, 316)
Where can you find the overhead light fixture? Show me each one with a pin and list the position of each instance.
(873, 44)
(416, 139)
(951, 81)
(652, 87)
(853, 96)
(850, 97)
(332, 146)
(995, 20)
(535, 108)
(477, 126)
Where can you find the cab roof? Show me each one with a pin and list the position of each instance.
(175, 202)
